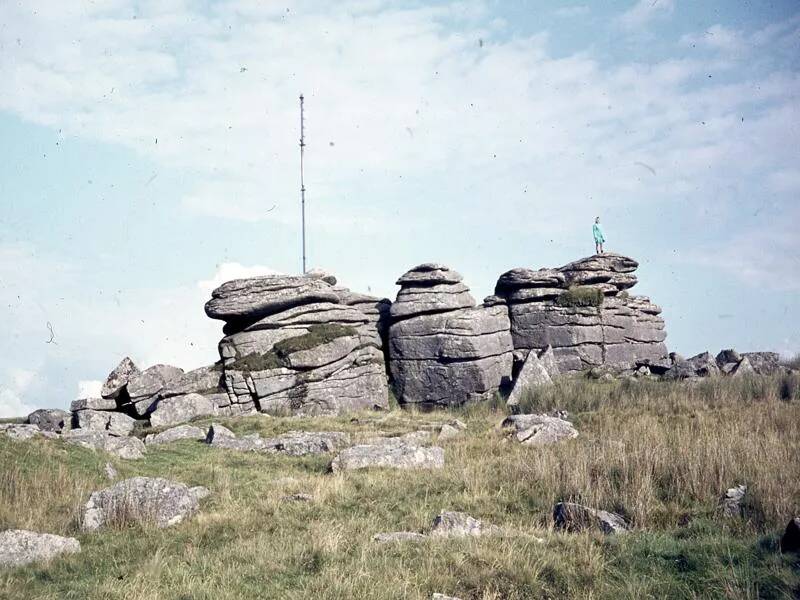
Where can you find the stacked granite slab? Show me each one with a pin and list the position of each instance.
(622, 333)
(443, 349)
(300, 345)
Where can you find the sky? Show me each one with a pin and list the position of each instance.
(149, 152)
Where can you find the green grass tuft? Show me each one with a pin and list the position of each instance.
(581, 296)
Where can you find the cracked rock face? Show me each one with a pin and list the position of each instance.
(622, 333)
(19, 547)
(174, 434)
(443, 349)
(141, 500)
(301, 345)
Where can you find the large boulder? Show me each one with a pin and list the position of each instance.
(50, 419)
(19, 547)
(114, 423)
(143, 389)
(174, 434)
(763, 363)
(142, 500)
(443, 350)
(180, 409)
(300, 345)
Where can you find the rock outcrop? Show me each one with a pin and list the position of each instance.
(576, 517)
(585, 313)
(300, 345)
(443, 349)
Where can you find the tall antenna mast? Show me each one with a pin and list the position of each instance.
(302, 181)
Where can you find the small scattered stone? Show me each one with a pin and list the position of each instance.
(575, 517)
(19, 547)
(298, 498)
(731, 502)
(398, 536)
(458, 524)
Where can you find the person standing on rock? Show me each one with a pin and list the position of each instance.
(599, 238)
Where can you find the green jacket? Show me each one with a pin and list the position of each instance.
(598, 234)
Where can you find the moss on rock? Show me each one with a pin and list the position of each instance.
(581, 295)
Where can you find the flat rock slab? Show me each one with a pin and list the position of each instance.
(141, 500)
(294, 443)
(174, 434)
(398, 536)
(539, 430)
(397, 455)
(19, 547)
(19, 431)
(130, 448)
(576, 517)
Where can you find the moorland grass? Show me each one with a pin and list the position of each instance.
(659, 453)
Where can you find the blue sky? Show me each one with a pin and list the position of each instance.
(148, 152)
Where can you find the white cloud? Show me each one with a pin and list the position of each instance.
(89, 389)
(13, 401)
(572, 11)
(645, 11)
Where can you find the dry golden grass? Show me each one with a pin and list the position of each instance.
(659, 453)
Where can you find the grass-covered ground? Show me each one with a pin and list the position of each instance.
(659, 453)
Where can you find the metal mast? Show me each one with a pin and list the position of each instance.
(302, 181)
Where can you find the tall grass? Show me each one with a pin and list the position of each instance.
(660, 454)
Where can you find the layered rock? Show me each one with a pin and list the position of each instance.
(443, 349)
(585, 313)
(300, 345)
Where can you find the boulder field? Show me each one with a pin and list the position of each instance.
(303, 345)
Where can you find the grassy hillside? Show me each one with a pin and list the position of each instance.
(658, 453)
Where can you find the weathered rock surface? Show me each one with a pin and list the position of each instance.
(443, 350)
(19, 547)
(731, 503)
(93, 404)
(458, 524)
(763, 363)
(130, 448)
(293, 443)
(141, 500)
(174, 434)
(534, 373)
(50, 419)
(114, 423)
(117, 380)
(23, 431)
(149, 382)
(538, 430)
(624, 332)
(180, 409)
(575, 517)
(396, 455)
(301, 345)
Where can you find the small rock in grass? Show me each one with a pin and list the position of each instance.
(731, 502)
(398, 536)
(458, 524)
(575, 517)
(19, 547)
(298, 498)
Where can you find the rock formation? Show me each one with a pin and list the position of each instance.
(443, 349)
(585, 313)
(300, 345)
